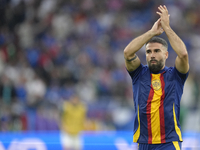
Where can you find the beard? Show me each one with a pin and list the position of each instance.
(155, 68)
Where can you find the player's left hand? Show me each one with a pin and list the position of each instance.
(163, 13)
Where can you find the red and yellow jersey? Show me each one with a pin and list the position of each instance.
(157, 104)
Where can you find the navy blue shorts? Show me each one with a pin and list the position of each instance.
(166, 146)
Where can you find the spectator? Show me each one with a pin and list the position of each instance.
(72, 123)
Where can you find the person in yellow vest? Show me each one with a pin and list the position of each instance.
(72, 123)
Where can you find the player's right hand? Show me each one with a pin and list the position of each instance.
(157, 28)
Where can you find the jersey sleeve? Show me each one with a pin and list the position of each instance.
(136, 73)
(181, 77)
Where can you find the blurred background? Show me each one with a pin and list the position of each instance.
(53, 49)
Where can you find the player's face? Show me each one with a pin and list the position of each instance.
(156, 55)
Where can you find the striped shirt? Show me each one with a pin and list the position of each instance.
(157, 104)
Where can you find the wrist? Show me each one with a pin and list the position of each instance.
(151, 33)
(166, 28)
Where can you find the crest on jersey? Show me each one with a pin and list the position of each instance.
(156, 84)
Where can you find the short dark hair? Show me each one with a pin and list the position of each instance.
(156, 39)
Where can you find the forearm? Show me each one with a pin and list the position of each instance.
(136, 44)
(176, 43)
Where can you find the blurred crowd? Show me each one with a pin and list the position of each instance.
(53, 49)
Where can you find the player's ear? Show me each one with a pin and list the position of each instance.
(166, 54)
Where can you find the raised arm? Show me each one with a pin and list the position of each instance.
(132, 62)
(181, 62)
